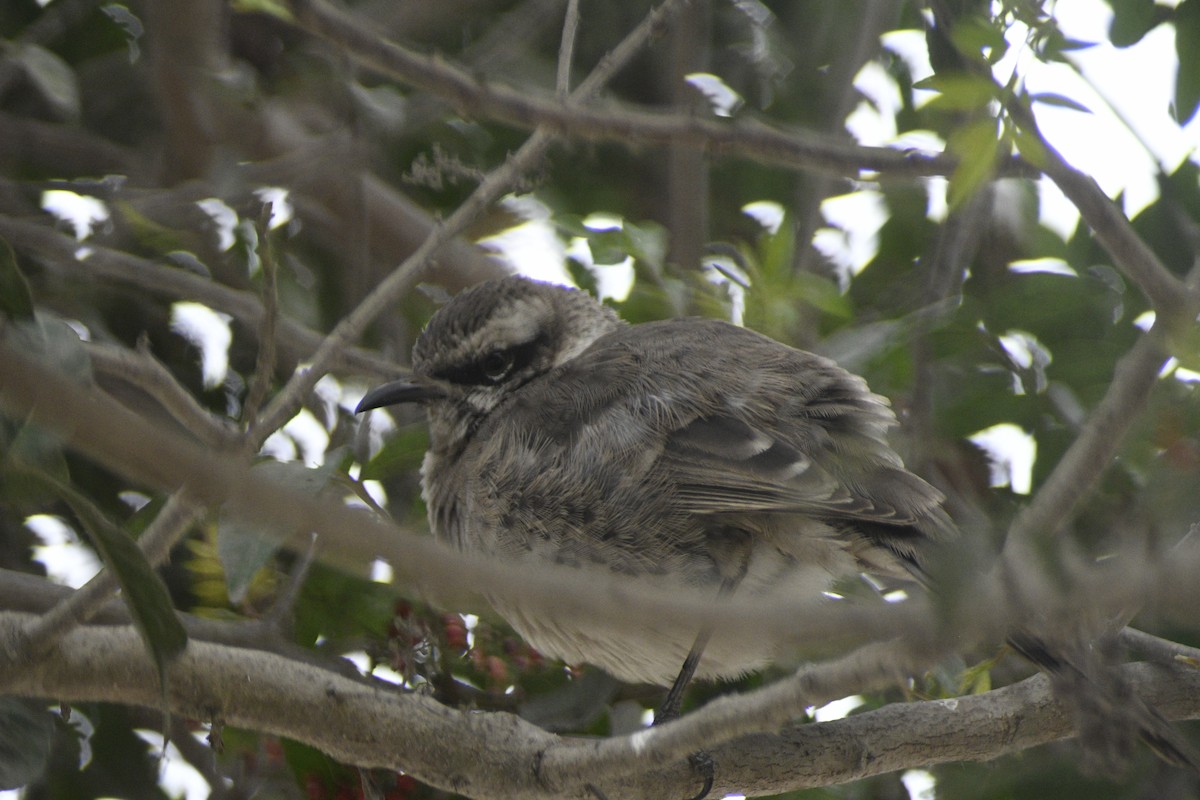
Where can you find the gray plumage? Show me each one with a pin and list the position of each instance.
(689, 452)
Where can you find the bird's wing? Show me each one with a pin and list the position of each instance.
(745, 424)
(721, 422)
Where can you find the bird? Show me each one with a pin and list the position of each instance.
(688, 453)
(692, 454)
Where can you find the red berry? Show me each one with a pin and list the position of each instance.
(497, 670)
(456, 637)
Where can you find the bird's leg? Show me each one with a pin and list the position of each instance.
(670, 707)
(701, 761)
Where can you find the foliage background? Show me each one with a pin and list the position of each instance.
(156, 109)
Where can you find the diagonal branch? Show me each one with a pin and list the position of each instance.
(1175, 302)
(492, 188)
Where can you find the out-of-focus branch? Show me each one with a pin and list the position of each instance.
(185, 46)
(60, 252)
(100, 429)
(141, 369)
(34, 595)
(1093, 450)
(611, 121)
(61, 149)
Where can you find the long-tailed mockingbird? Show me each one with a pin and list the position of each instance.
(692, 452)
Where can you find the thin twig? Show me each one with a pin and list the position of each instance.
(279, 617)
(141, 369)
(873, 667)
(34, 595)
(1093, 450)
(1159, 650)
(264, 366)
(566, 50)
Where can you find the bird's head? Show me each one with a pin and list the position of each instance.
(484, 345)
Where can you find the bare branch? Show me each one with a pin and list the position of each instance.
(141, 369)
(1159, 650)
(1093, 450)
(34, 595)
(1176, 303)
(62, 253)
(498, 755)
(611, 121)
(264, 366)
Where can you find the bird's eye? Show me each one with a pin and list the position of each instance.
(496, 365)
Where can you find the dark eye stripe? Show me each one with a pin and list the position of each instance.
(474, 374)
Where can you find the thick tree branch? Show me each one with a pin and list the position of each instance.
(497, 755)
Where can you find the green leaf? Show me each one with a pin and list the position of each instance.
(572, 225)
(150, 234)
(647, 243)
(32, 446)
(1185, 346)
(977, 37)
(1031, 147)
(16, 301)
(244, 549)
(402, 452)
(1060, 101)
(582, 276)
(823, 294)
(959, 91)
(976, 145)
(27, 444)
(52, 77)
(271, 7)
(130, 24)
(26, 733)
(1132, 19)
(55, 343)
(144, 592)
(777, 251)
(608, 246)
(1187, 45)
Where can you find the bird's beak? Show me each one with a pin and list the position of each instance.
(407, 390)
